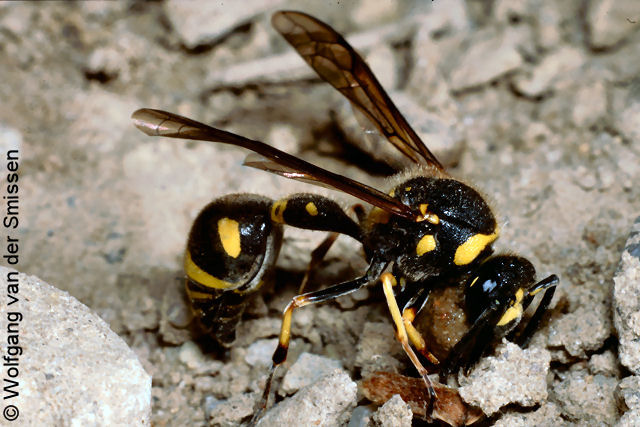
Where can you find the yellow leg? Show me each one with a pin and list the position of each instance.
(388, 282)
(415, 337)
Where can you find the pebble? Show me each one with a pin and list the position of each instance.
(201, 23)
(610, 21)
(377, 349)
(395, 412)
(229, 412)
(488, 56)
(328, 402)
(259, 353)
(512, 375)
(629, 392)
(307, 370)
(626, 300)
(544, 76)
(361, 416)
(583, 396)
(74, 370)
(548, 415)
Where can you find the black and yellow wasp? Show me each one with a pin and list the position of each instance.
(425, 230)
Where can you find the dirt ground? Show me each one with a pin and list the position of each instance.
(535, 103)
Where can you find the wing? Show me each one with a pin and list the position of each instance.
(329, 54)
(162, 123)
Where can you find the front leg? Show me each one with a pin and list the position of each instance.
(388, 282)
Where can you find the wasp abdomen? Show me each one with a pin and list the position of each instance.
(232, 247)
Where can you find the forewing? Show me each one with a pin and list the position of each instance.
(329, 54)
(162, 123)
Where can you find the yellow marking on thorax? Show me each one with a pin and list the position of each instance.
(379, 216)
(392, 193)
(311, 209)
(277, 211)
(201, 277)
(469, 250)
(474, 281)
(229, 232)
(425, 215)
(407, 189)
(426, 244)
(513, 312)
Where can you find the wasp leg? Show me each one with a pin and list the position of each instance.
(550, 285)
(317, 256)
(388, 282)
(280, 355)
(473, 343)
(320, 252)
(409, 313)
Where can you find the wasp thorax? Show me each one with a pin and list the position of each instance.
(455, 223)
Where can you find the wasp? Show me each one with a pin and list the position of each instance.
(427, 230)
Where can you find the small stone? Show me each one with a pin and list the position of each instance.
(191, 355)
(76, 370)
(361, 416)
(629, 391)
(377, 348)
(490, 54)
(626, 300)
(307, 370)
(105, 61)
(230, 412)
(585, 397)
(543, 77)
(548, 415)
(605, 363)
(629, 419)
(202, 23)
(259, 353)
(328, 401)
(514, 375)
(582, 330)
(393, 413)
(611, 21)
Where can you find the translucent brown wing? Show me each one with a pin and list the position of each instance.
(162, 123)
(329, 54)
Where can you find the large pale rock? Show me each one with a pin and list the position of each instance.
(71, 368)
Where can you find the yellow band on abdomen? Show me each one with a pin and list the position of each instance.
(201, 277)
